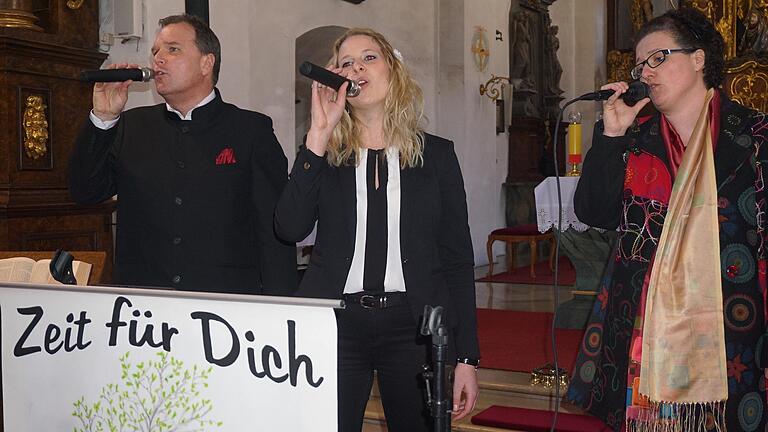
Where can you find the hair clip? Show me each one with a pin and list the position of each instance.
(694, 33)
(398, 55)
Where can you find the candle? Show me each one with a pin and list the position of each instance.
(574, 139)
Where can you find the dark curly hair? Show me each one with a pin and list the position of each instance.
(691, 29)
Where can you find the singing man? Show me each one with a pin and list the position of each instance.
(197, 178)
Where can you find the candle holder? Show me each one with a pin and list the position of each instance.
(574, 143)
(545, 377)
(574, 160)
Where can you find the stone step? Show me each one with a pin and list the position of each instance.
(374, 420)
(499, 387)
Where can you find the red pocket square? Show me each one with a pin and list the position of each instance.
(226, 157)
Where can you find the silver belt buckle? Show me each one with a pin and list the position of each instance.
(363, 299)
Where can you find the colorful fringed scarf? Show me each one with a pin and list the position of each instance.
(683, 377)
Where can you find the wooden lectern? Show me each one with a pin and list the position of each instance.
(95, 259)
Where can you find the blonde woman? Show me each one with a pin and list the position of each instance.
(392, 234)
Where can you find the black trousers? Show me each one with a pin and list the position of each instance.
(387, 341)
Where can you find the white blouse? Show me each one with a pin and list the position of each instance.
(393, 277)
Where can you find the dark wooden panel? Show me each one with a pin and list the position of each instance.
(40, 232)
(530, 150)
(84, 240)
(526, 145)
(36, 212)
(22, 71)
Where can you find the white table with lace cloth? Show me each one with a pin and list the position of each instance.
(547, 212)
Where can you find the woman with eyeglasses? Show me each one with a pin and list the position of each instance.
(675, 339)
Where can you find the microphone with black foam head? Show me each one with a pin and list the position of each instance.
(638, 91)
(328, 78)
(117, 75)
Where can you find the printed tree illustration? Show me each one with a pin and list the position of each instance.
(154, 396)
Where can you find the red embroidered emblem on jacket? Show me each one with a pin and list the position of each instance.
(647, 176)
(226, 157)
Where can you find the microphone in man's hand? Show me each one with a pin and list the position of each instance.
(117, 75)
(638, 91)
(328, 78)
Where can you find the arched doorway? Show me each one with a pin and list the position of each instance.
(314, 46)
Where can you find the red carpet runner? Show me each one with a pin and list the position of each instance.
(520, 341)
(530, 420)
(544, 276)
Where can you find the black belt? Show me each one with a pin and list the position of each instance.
(376, 300)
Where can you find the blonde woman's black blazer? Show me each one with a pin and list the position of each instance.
(435, 244)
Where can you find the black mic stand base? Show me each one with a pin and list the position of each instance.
(438, 395)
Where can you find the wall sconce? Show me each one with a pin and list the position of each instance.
(494, 89)
(491, 87)
(500, 117)
(480, 49)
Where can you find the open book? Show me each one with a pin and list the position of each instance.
(22, 269)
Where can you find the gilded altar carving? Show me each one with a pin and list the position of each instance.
(619, 65)
(35, 127)
(706, 7)
(726, 25)
(742, 23)
(754, 38)
(640, 13)
(744, 27)
(748, 85)
(74, 4)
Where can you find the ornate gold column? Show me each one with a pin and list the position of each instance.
(18, 13)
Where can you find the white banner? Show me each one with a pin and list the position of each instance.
(89, 359)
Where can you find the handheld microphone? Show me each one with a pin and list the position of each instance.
(117, 75)
(638, 90)
(328, 78)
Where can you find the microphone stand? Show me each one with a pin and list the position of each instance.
(437, 394)
(641, 91)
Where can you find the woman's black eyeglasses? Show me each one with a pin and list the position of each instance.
(656, 59)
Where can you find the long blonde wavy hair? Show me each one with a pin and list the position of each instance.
(403, 111)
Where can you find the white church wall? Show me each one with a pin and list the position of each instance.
(484, 154)
(138, 51)
(274, 26)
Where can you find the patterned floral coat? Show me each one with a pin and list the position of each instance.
(626, 183)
